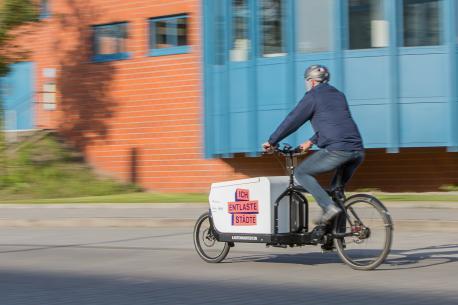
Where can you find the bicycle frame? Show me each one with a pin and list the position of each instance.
(290, 191)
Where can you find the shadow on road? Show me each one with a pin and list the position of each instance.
(398, 259)
(422, 257)
(22, 287)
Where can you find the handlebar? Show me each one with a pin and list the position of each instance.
(287, 150)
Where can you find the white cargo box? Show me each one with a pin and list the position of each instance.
(247, 205)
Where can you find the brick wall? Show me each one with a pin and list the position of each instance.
(135, 119)
(141, 119)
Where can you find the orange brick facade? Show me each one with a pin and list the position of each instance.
(137, 119)
(141, 119)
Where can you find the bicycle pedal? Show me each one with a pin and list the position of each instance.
(317, 234)
(326, 251)
(327, 248)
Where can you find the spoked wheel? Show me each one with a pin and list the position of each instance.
(368, 233)
(208, 248)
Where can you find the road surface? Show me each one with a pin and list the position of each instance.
(47, 266)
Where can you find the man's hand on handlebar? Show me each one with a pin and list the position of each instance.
(305, 147)
(268, 148)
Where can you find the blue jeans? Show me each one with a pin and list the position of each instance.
(343, 162)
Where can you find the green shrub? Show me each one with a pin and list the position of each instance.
(449, 188)
(45, 169)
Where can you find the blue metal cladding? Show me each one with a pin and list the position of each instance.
(17, 96)
(399, 96)
(450, 18)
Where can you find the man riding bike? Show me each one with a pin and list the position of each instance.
(336, 134)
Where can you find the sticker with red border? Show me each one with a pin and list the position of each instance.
(243, 211)
(244, 219)
(242, 195)
(243, 207)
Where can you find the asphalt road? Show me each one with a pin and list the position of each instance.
(46, 266)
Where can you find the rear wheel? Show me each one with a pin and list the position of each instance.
(208, 248)
(368, 233)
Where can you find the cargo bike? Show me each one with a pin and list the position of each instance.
(274, 211)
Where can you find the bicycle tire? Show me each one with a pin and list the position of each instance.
(341, 244)
(221, 255)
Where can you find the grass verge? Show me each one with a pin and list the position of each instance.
(121, 198)
(417, 197)
(203, 198)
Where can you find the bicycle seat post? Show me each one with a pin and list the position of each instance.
(289, 153)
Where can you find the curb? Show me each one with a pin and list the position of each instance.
(204, 205)
(399, 225)
(98, 223)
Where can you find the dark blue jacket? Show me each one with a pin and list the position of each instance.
(327, 109)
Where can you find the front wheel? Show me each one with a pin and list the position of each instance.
(366, 237)
(208, 248)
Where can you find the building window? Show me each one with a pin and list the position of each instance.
(49, 96)
(169, 35)
(218, 33)
(367, 25)
(313, 26)
(456, 22)
(5, 88)
(110, 42)
(421, 23)
(272, 12)
(44, 9)
(240, 50)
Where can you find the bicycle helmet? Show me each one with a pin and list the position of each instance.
(318, 73)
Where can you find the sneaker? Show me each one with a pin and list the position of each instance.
(328, 244)
(330, 213)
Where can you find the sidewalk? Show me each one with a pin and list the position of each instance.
(421, 216)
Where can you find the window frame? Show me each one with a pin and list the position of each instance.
(108, 57)
(401, 39)
(286, 49)
(331, 37)
(455, 25)
(45, 94)
(386, 18)
(220, 48)
(248, 33)
(170, 50)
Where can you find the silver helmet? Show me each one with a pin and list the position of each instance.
(318, 73)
